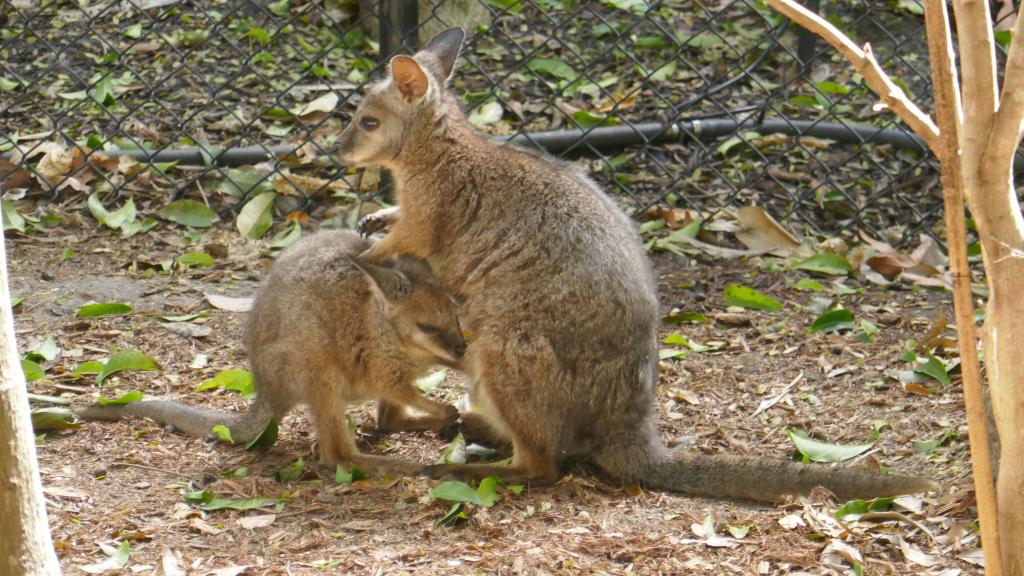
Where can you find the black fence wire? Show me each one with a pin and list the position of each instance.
(691, 105)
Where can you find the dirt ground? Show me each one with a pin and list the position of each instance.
(107, 483)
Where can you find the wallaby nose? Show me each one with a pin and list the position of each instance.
(460, 350)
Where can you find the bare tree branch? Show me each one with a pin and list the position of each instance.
(1009, 120)
(978, 65)
(949, 116)
(864, 62)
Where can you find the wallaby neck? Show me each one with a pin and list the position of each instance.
(437, 163)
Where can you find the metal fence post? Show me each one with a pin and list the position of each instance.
(399, 26)
(806, 40)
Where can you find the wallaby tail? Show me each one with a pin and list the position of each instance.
(244, 426)
(763, 479)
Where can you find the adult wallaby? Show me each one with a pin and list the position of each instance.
(328, 329)
(555, 292)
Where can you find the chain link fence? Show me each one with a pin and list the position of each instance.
(670, 105)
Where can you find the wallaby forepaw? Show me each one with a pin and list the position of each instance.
(369, 224)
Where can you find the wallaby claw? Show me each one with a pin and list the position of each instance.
(369, 224)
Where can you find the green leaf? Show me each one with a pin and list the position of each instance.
(11, 219)
(286, 237)
(1004, 37)
(240, 381)
(280, 7)
(76, 95)
(32, 371)
(680, 317)
(198, 258)
(739, 532)
(635, 6)
(103, 309)
(8, 85)
(869, 331)
(671, 353)
(207, 501)
(127, 360)
(103, 92)
(292, 472)
(17, 301)
(587, 120)
(817, 451)
(266, 439)
(746, 297)
(118, 218)
(431, 381)
(552, 67)
(455, 491)
(46, 350)
(680, 340)
(833, 321)
(223, 433)
(930, 445)
(455, 451)
(455, 513)
(811, 285)
(346, 477)
(487, 491)
(90, 367)
(52, 418)
(826, 263)
(259, 34)
(934, 368)
(133, 396)
(240, 182)
(664, 72)
(189, 213)
(134, 31)
(854, 509)
(832, 88)
(256, 217)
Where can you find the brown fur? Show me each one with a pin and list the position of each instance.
(556, 294)
(327, 330)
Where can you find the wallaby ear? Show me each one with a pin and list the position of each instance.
(391, 283)
(446, 47)
(409, 77)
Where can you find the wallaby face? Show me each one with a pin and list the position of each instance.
(402, 104)
(421, 312)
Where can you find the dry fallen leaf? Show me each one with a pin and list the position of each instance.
(762, 233)
(57, 162)
(791, 521)
(229, 303)
(840, 555)
(232, 570)
(258, 521)
(169, 564)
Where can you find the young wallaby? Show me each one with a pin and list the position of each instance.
(328, 329)
(555, 291)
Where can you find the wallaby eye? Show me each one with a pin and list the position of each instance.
(427, 328)
(369, 123)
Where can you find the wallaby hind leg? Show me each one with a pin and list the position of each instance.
(336, 443)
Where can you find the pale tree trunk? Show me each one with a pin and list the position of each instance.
(25, 544)
(975, 139)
